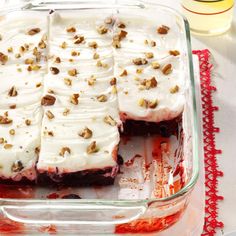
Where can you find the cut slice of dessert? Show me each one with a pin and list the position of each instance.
(150, 81)
(22, 65)
(80, 137)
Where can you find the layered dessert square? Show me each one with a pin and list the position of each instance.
(80, 126)
(22, 67)
(149, 69)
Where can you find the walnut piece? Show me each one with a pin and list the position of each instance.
(4, 120)
(96, 56)
(167, 69)
(72, 72)
(48, 100)
(92, 148)
(174, 53)
(155, 65)
(64, 150)
(42, 44)
(13, 92)
(67, 81)
(113, 81)
(174, 89)
(102, 29)
(34, 31)
(124, 73)
(3, 58)
(148, 104)
(121, 25)
(149, 55)
(29, 61)
(74, 99)
(93, 44)
(28, 122)
(86, 133)
(140, 61)
(54, 70)
(64, 45)
(50, 115)
(58, 60)
(8, 146)
(102, 98)
(109, 120)
(91, 81)
(71, 30)
(17, 166)
(12, 132)
(163, 29)
(78, 39)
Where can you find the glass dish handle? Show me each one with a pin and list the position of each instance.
(73, 212)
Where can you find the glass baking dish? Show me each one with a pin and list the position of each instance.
(111, 210)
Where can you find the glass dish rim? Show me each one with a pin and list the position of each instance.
(195, 173)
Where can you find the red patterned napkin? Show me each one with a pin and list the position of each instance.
(210, 151)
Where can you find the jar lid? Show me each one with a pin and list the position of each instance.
(207, 7)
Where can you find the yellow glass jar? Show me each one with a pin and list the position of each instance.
(208, 17)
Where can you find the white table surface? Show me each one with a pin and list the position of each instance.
(223, 50)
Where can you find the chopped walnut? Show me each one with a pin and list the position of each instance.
(91, 81)
(116, 43)
(155, 65)
(72, 72)
(152, 43)
(50, 115)
(38, 85)
(64, 45)
(12, 106)
(29, 61)
(48, 100)
(109, 120)
(140, 61)
(100, 64)
(54, 70)
(74, 99)
(0, 37)
(96, 56)
(139, 71)
(102, 29)
(34, 31)
(149, 55)
(12, 132)
(17, 166)
(163, 29)
(8, 146)
(2, 140)
(42, 44)
(3, 58)
(4, 120)
(13, 92)
(174, 89)
(122, 34)
(151, 83)
(102, 98)
(64, 151)
(58, 60)
(124, 73)
(22, 49)
(121, 25)
(74, 53)
(78, 39)
(93, 44)
(33, 67)
(37, 150)
(66, 112)
(167, 69)
(71, 30)
(113, 81)
(174, 53)
(10, 49)
(92, 148)
(147, 104)
(67, 81)
(86, 133)
(17, 55)
(28, 122)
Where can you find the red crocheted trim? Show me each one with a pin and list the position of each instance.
(210, 152)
